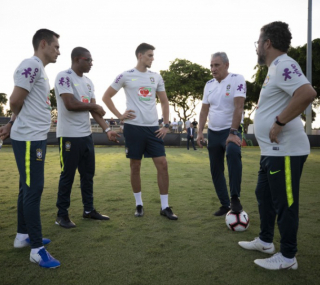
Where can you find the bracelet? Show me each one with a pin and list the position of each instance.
(279, 123)
(107, 130)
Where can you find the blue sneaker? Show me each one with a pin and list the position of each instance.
(19, 244)
(44, 259)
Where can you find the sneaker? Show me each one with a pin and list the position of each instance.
(26, 242)
(65, 222)
(95, 215)
(167, 212)
(235, 205)
(257, 245)
(139, 211)
(277, 262)
(44, 259)
(222, 211)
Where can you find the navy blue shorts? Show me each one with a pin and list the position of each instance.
(142, 141)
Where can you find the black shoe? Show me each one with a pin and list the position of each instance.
(222, 211)
(95, 215)
(235, 205)
(167, 212)
(64, 221)
(139, 211)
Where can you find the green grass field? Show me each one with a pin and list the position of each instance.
(196, 249)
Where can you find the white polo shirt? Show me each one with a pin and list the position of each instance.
(33, 121)
(283, 79)
(140, 89)
(220, 97)
(70, 123)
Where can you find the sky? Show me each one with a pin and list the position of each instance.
(111, 31)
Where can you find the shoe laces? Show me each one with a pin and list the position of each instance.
(169, 210)
(276, 258)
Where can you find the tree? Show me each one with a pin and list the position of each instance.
(3, 101)
(184, 82)
(300, 55)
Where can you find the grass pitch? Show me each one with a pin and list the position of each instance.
(196, 249)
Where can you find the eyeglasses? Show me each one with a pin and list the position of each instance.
(89, 60)
(256, 44)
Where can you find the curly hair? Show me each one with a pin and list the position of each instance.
(279, 35)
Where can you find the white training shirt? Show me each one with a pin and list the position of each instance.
(220, 98)
(33, 121)
(283, 79)
(73, 123)
(140, 89)
(174, 125)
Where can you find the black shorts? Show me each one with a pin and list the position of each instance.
(142, 141)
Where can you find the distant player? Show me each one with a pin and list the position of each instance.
(284, 146)
(31, 107)
(141, 129)
(75, 101)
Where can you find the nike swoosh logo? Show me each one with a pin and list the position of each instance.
(45, 78)
(274, 172)
(134, 79)
(266, 248)
(76, 84)
(280, 267)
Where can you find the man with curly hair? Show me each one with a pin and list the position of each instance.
(285, 94)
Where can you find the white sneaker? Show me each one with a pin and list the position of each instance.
(257, 245)
(276, 262)
(26, 242)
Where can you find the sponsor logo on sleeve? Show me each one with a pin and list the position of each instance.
(296, 70)
(145, 93)
(85, 99)
(118, 78)
(61, 81)
(286, 74)
(240, 87)
(34, 75)
(27, 72)
(68, 81)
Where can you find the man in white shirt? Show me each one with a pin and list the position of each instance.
(31, 107)
(223, 101)
(284, 146)
(174, 125)
(141, 130)
(75, 101)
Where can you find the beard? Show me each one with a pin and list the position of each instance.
(262, 59)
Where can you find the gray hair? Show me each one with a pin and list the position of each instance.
(223, 56)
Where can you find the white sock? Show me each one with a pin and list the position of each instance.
(264, 243)
(137, 196)
(288, 260)
(36, 250)
(21, 237)
(164, 201)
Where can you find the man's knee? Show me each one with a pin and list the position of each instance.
(135, 166)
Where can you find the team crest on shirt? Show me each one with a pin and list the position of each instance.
(152, 80)
(85, 99)
(228, 90)
(266, 81)
(68, 146)
(39, 154)
(48, 102)
(89, 87)
(145, 93)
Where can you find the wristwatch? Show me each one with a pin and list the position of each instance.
(166, 126)
(11, 122)
(233, 131)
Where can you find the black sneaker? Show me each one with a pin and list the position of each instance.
(222, 211)
(167, 212)
(235, 205)
(95, 215)
(65, 222)
(139, 211)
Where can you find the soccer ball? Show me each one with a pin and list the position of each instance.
(237, 221)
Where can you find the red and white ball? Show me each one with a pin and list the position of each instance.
(238, 222)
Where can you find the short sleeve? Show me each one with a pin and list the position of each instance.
(290, 77)
(27, 73)
(161, 86)
(241, 87)
(118, 82)
(205, 95)
(63, 84)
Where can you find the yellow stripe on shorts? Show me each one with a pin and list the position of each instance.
(61, 155)
(287, 168)
(27, 162)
